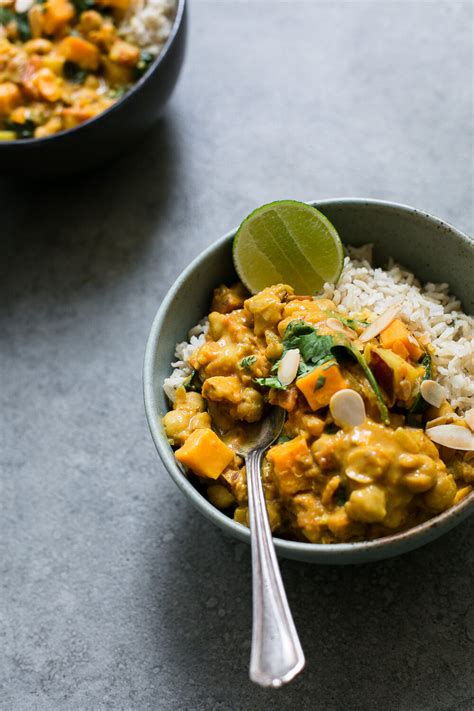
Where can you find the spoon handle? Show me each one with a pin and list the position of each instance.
(276, 655)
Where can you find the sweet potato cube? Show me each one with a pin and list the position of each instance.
(205, 453)
(10, 97)
(400, 349)
(80, 51)
(397, 337)
(291, 461)
(319, 386)
(56, 15)
(115, 4)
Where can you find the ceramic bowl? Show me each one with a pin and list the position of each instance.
(111, 132)
(431, 248)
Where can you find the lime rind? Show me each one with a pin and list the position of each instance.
(287, 241)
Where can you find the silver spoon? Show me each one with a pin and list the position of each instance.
(276, 656)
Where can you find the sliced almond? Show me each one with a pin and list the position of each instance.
(452, 436)
(381, 323)
(288, 366)
(347, 408)
(469, 417)
(335, 325)
(450, 418)
(434, 393)
(23, 5)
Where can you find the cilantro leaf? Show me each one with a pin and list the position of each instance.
(314, 349)
(320, 382)
(270, 382)
(246, 362)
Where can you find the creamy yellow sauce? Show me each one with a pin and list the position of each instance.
(323, 483)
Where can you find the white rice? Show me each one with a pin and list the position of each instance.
(183, 351)
(431, 311)
(148, 24)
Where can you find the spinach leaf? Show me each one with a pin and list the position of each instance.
(352, 322)
(83, 5)
(193, 383)
(74, 73)
(246, 362)
(146, 58)
(420, 405)
(21, 20)
(342, 343)
(118, 92)
(22, 130)
(270, 382)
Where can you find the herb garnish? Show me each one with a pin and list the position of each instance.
(320, 382)
(315, 350)
(22, 130)
(420, 405)
(146, 58)
(74, 73)
(19, 18)
(271, 382)
(246, 362)
(193, 383)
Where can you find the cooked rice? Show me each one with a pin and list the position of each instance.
(183, 351)
(432, 312)
(148, 23)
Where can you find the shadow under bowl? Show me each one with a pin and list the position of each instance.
(110, 133)
(432, 249)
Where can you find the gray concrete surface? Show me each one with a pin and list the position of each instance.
(115, 594)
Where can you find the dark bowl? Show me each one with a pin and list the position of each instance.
(112, 131)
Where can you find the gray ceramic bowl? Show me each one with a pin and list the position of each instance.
(431, 248)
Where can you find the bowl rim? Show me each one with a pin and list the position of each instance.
(178, 18)
(324, 552)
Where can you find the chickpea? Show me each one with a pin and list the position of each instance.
(371, 463)
(220, 496)
(313, 424)
(367, 504)
(90, 20)
(250, 408)
(175, 423)
(38, 46)
(441, 496)
(423, 472)
(241, 515)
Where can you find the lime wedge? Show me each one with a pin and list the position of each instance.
(287, 242)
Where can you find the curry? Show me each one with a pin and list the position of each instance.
(355, 460)
(62, 63)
